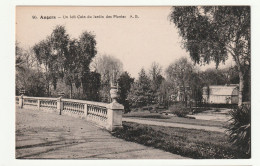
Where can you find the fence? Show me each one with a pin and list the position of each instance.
(105, 115)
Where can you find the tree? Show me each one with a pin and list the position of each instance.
(71, 71)
(34, 85)
(92, 86)
(109, 68)
(179, 74)
(196, 85)
(46, 59)
(156, 77)
(66, 59)
(27, 77)
(212, 33)
(87, 50)
(59, 42)
(124, 82)
(164, 92)
(77, 62)
(213, 77)
(141, 93)
(155, 74)
(19, 61)
(19, 68)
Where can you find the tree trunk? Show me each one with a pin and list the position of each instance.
(70, 91)
(185, 96)
(241, 80)
(241, 88)
(48, 89)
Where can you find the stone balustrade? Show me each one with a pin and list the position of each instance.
(105, 115)
(48, 103)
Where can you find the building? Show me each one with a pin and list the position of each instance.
(221, 94)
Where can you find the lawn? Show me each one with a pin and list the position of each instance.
(197, 144)
(173, 119)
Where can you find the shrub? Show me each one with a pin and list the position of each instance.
(179, 109)
(240, 128)
(181, 112)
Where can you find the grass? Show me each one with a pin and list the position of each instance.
(173, 119)
(197, 144)
(146, 115)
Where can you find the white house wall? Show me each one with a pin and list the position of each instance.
(220, 94)
(218, 99)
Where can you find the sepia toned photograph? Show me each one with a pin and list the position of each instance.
(157, 82)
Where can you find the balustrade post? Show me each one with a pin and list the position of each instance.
(114, 111)
(21, 100)
(38, 103)
(85, 110)
(59, 105)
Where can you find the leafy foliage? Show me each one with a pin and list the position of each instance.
(31, 81)
(182, 76)
(110, 69)
(179, 109)
(240, 128)
(157, 79)
(27, 77)
(19, 60)
(62, 58)
(124, 82)
(141, 93)
(211, 33)
(92, 85)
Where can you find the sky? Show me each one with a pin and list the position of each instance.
(138, 42)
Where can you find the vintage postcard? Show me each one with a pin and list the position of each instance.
(143, 82)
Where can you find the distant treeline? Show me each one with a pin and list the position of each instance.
(61, 64)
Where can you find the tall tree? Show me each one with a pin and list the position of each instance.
(44, 56)
(59, 40)
(179, 74)
(156, 77)
(164, 92)
(51, 53)
(211, 33)
(63, 58)
(141, 93)
(81, 53)
(124, 82)
(71, 71)
(93, 85)
(109, 68)
(19, 58)
(27, 76)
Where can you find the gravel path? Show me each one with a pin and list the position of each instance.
(50, 136)
(179, 125)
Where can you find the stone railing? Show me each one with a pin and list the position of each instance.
(105, 115)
